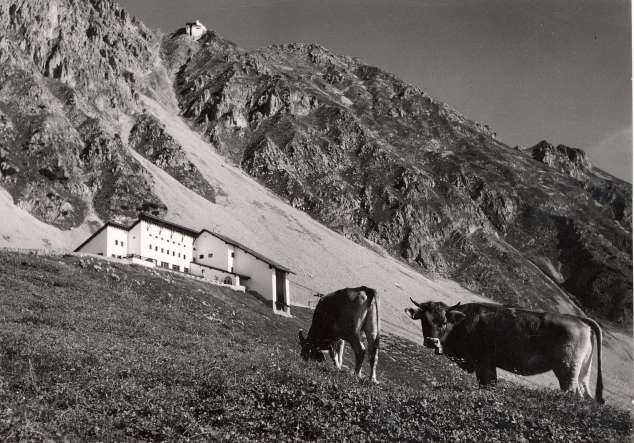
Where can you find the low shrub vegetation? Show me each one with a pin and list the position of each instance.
(96, 350)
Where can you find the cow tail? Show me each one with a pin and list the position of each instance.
(599, 336)
(374, 297)
(377, 341)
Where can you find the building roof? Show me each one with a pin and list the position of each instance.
(248, 250)
(167, 224)
(98, 231)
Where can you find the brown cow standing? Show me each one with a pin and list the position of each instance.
(481, 337)
(344, 315)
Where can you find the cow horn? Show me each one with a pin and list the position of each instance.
(417, 304)
(453, 307)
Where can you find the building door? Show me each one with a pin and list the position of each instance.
(281, 302)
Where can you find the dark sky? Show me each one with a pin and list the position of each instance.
(531, 69)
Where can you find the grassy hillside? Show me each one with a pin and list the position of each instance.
(95, 350)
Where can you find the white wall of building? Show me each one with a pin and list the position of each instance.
(196, 30)
(112, 241)
(215, 252)
(217, 276)
(142, 262)
(135, 240)
(117, 242)
(211, 251)
(98, 245)
(262, 276)
(168, 247)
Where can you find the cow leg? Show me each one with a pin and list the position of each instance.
(333, 354)
(339, 346)
(342, 345)
(373, 348)
(486, 373)
(359, 354)
(573, 373)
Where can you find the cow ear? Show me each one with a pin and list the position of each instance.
(301, 337)
(412, 313)
(455, 316)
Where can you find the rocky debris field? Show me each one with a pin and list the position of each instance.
(97, 350)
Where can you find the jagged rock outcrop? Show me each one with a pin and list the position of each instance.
(610, 193)
(570, 161)
(378, 159)
(93, 47)
(152, 141)
(68, 70)
(121, 186)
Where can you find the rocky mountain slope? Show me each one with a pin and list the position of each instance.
(612, 194)
(357, 149)
(67, 75)
(377, 159)
(150, 138)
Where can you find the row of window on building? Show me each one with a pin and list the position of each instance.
(173, 242)
(174, 253)
(166, 265)
(233, 254)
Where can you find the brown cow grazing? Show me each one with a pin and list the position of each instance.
(481, 337)
(344, 315)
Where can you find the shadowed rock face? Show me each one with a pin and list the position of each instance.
(150, 139)
(367, 154)
(68, 71)
(375, 158)
(570, 161)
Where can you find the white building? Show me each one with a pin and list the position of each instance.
(154, 242)
(150, 241)
(195, 29)
(265, 276)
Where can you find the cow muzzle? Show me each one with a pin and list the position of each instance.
(434, 343)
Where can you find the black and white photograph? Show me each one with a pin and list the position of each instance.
(326, 220)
